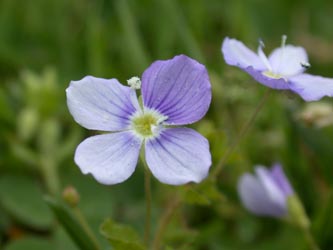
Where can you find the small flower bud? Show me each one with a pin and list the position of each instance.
(266, 193)
(71, 196)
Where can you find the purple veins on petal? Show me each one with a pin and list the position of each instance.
(101, 104)
(178, 156)
(178, 88)
(174, 92)
(110, 158)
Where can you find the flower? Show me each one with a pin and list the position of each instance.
(267, 193)
(283, 69)
(318, 114)
(174, 92)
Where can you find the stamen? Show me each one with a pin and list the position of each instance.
(134, 82)
(148, 124)
(283, 41)
(262, 55)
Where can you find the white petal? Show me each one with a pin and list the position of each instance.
(287, 61)
(101, 104)
(237, 54)
(110, 158)
(178, 156)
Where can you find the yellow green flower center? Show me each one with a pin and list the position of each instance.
(146, 125)
(272, 75)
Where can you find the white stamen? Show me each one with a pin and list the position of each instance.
(162, 119)
(283, 41)
(134, 82)
(262, 55)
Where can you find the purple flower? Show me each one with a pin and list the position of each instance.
(283, 69)
(267, 192)
(174, 92)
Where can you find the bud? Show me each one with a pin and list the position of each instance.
(267, 192)
(71, 196)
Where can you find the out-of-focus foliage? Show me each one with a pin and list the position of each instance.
(46, 44)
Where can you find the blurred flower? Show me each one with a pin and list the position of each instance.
(174, 93)
(283, 69)
(319, 114)
(266, 193)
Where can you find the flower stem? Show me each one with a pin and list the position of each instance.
(164, 221)
(50, 175)
(148, 202)
(242, 133)
(85, 226)
(310, 240)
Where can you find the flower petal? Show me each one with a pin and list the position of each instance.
(255, 198)
(178, 88)
(237, 54)
(273, 83)
(101, 104)
(110, 158)
(281, 180)
(287, 61)
(178, 156)
(273, 191)
(310, 87)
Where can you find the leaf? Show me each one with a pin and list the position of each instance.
(202, 194)
(71, 225)
(323, 224)
(21, 197)
(30, 243)
(121, 237)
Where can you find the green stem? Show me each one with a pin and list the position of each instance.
(310, 240)
(50, 175)
(148, 202)
(85, 226)
(164, 221)
(242, 133)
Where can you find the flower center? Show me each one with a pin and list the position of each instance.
(271, 74)
(147, 125)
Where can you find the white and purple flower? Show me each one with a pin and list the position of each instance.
(174, 92)
(283, 69)
(267, 193)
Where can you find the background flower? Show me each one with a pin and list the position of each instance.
(283, 69)
(174, 92)
(265, 193)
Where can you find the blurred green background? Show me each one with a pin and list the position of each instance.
(44, 44)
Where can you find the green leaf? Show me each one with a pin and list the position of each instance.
(21, 197)
(323, 224)
(71, 225)
(30, 243)
(202, 194)
(121, 237)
